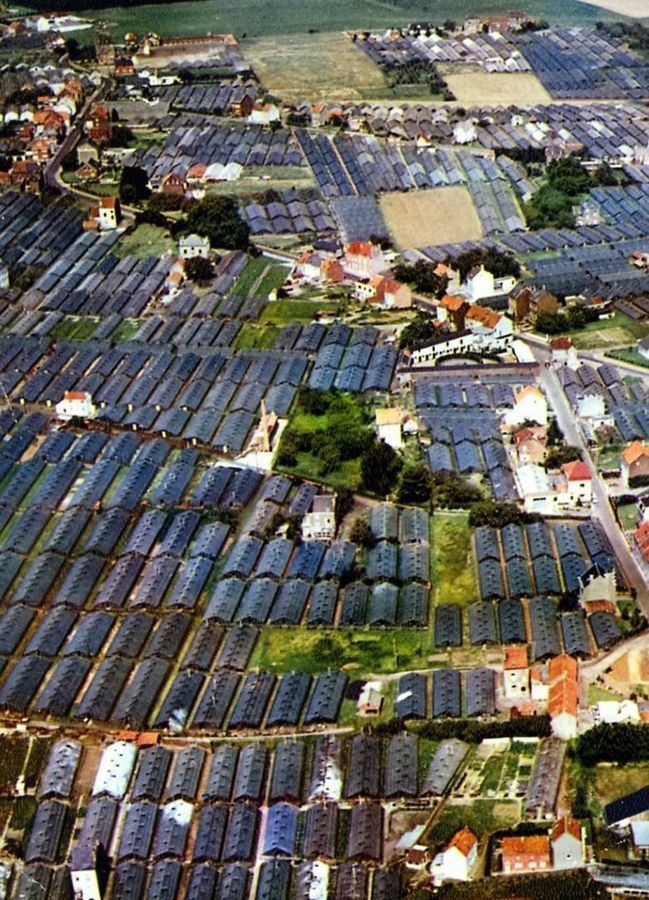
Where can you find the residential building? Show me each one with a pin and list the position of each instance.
(613, 712)
(534, 487)
(493, 331)
(453, 309)
(106, 216)
(388, 426)
(567, 842)
(591, 406)
(193, 245)
(370, 700)
(89, 868)
(457, 860)
(526, 302)
(527, 853)
(173, 185)
(320, 523)
(76, 404)
(331, 270)
(634, 462)
(481, 284)
(516, 673)
(264, 114)
(446, 344)
(576, 482)
(98, 125)
(363, 259)
(529, 406)
(563, 700)
(531, 445)
(564, 352)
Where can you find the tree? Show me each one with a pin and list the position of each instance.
(419, 333)
(415, 486)
(380, 466)
(557, 456)
(121, 136)
(362, 534)
(199, 269)
(344, 503)
(218, 219)
(133, 185)
(497, 515)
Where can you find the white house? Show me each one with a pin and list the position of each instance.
(320, 523)
(529, 406)
(465, 132)
(388, 426)
(76, 404)
(591, 406)
(576, 482)
(83, 873)
(534, 487)
(493, 331)
(193, 245)
(456, 861)
(567, 843)
(363, 259)
(264, 114)
(481, 284)
(516, 673)
(613, 712)
(446, 344)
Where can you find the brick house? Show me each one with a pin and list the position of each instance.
(527, 853)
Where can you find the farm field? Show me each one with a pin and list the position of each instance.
(442, 215)
(255, 18)
(473, 87)
(315, 67)
(618, 331)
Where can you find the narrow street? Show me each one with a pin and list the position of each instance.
(601, 509)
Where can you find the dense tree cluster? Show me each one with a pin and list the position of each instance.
(498, 514)
(573, 318)
(421, 275)
(133, 185)
(557, 456)
(474, 731)
(620, 743)
(217, 218)
(380, 466)
(418, 333)
(499, 264)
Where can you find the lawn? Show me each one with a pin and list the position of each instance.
(453, 568)
(126, 330)
(361, 652)
(628, 516)
(285, 312)
(615, 331)
(255, 337)
(145, 240)
(259, 278)
(259, 179)
(629, 355)
(596, 693)
(79, 328)
(346, 474)
(482, 816)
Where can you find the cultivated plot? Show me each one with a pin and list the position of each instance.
(474, 87)
(443, 215)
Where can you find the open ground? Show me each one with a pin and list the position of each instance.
(315, 67)
(473, 86)
(441, 215)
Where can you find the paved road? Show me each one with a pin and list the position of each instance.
(601, 509)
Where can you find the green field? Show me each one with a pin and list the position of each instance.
(254, 18)
(620, 329)
(126, 330)
(629, 355)
(256, 337)
(482, 816)
(285, 312)
(453, 574)
(361, 652)
(259, 278)
(145, 240)
(78, 328)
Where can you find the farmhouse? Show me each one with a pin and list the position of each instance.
(634, 462)
(567, 842)
(456, 861)
(76, 404)
(529, 853)
(363, 259)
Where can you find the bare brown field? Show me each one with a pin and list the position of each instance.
(315, 67)
(474, 87)
(439, 216)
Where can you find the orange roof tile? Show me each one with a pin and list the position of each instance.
(561, 343)
(464, 840)
(360, 248)
(634, 451)
(564, 698)
(530, 843)
(576, 471)
(515, 657)
(562, 667)
(566, 825)
(451, 302)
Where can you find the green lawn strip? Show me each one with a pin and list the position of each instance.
(452, 564)
(629, 355)
(628, 515)
(256, 337)
(145, 240)
(347, 474)
(126, 330)
(286, 312)
(360, 652)
(243, 285)
(272, 280)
